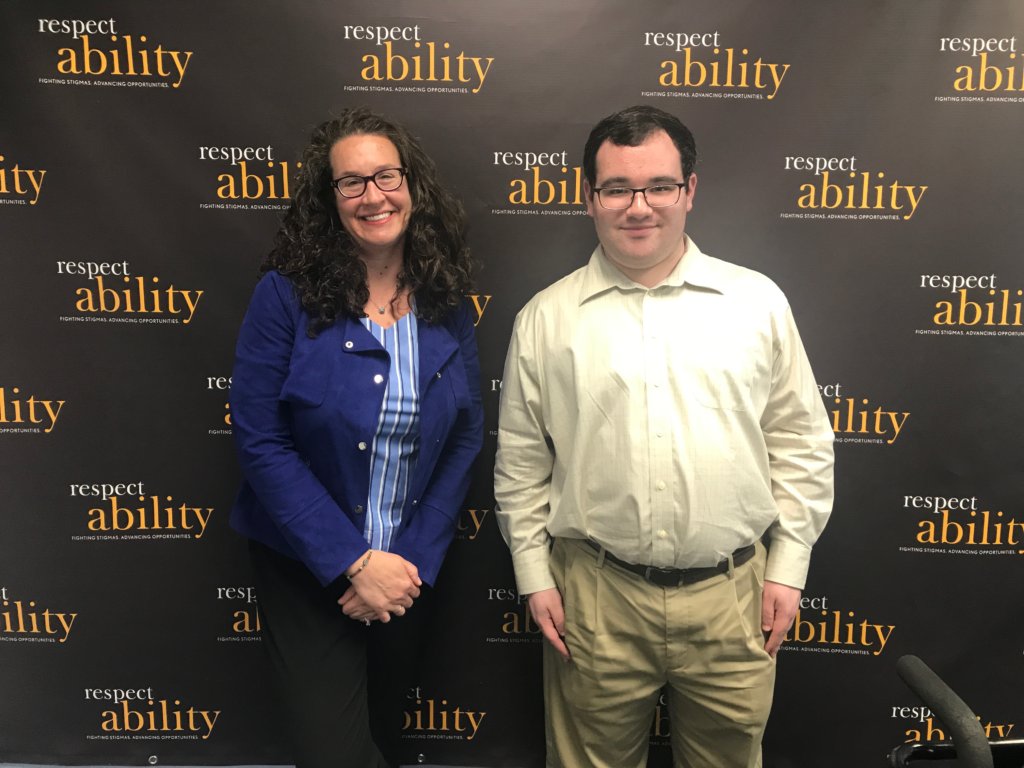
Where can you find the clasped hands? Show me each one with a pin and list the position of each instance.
(382, 585)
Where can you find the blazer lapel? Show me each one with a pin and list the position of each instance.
(355, 337)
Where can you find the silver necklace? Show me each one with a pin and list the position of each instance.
(382, 308)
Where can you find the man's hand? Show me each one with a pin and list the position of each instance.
(548, 614)
(388, 584)
(778, 609)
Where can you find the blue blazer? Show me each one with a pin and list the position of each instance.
(304, 412)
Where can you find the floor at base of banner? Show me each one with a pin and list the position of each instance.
(129, 765)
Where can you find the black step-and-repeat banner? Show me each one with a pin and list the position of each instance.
(864, 155)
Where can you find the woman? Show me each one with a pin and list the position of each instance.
(356, 411)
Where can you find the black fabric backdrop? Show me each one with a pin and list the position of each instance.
(863, 155)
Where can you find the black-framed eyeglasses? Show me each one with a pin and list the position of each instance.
(387, 180)
(656, 196)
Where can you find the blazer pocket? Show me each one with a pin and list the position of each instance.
(454, 373)
(306, 384)
(460, 391)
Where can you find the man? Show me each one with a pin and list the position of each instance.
(658, 418)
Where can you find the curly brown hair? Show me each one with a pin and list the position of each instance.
(313, 249)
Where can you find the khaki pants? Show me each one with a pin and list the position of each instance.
(629, 638)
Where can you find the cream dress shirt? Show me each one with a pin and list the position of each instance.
(672, 425)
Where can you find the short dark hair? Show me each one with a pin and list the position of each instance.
(630, 127)
(314, 250)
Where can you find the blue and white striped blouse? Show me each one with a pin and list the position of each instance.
(397, 440)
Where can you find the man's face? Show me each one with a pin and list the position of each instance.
(640, 238)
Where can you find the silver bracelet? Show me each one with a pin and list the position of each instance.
(362, 566)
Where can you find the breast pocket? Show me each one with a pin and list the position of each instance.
(723, 388)
(453, 377)
(721, 371)
(307, 381)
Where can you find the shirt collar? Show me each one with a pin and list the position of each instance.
(695, 268)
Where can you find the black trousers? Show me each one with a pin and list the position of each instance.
(343, 685)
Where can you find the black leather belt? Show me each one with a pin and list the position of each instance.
(675, 577)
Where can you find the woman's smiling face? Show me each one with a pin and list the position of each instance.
(375, 220)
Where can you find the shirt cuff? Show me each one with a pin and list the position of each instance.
(788, 563)
(533, 571)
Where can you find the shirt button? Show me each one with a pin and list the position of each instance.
(361, 446)
(415, 502)
(349, 345)
(439, 374)
(378, 379)
(662, 534)
(359, 509)
(661, 485)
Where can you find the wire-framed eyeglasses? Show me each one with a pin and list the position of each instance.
(656, 196)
